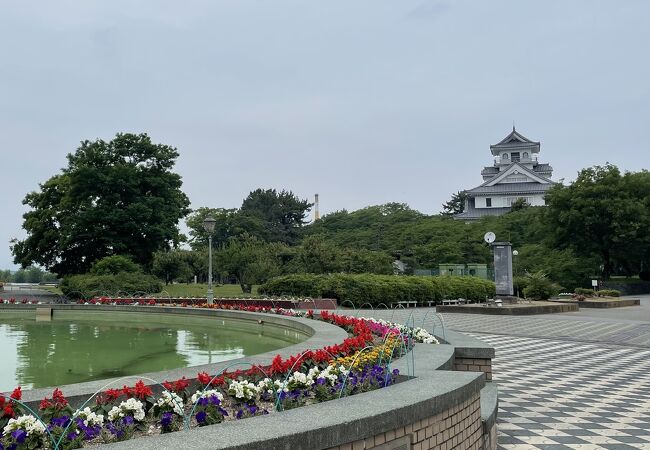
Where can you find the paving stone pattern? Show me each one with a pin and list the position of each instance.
(564, 383)
(555, 394)
(627, 333)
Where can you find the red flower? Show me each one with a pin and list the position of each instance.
(17, 394)
(45, 403)
(204, 378)
(142, 391)
(8, 411)
(181, 385)
(127, 391)
(112, 394)
(59, 398)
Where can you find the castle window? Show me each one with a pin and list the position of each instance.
(515, 156)
(488, 202)
(526, 155)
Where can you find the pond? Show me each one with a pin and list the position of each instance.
(75, 346)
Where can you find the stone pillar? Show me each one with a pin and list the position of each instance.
(503, 268)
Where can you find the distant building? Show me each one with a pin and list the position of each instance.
(516, 174)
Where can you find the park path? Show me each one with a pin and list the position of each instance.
(566, 381)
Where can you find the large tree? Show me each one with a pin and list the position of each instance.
(455, 205)
(229, 223)
(114, 198)
(602, 213)
(280, 214)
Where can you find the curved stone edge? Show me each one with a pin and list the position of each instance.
(321, 334)
(439, 408)
(505, 310)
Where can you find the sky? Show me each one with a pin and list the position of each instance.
(364, 102)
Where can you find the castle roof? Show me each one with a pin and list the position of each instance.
(515, 141)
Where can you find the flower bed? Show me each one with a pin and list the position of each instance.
(360, 363)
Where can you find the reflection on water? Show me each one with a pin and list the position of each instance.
(77, 347)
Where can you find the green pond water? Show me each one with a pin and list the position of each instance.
(77, 346)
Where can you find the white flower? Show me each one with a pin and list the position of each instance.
(89, 417)
(206, 394)
(171, 399)
(131, 407)
(27, 423)
(244, 390)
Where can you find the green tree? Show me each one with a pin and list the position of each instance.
(172, 266)
(519, 204)
(455, 205)
(34, 274)
(250, 260)
(112, 265)
(601, 214)
(280, 214)
(229, 223)
(116, 197)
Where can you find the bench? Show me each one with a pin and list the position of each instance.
(450, 302)
(407, 303)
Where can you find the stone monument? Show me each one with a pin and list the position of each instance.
(503, 268)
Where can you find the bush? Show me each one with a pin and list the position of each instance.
(88, 285)
(360, 289)
(608, 293)
(645, 275)
(585, 292)
(112, 265)
(540, 287)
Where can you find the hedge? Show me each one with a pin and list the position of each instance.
(88, 285)
(361, 289)
(600, 293)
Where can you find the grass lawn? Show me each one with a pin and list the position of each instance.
(200, 290)
(51, 289)
(185, 290)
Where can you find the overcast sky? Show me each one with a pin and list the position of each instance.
(363, 102)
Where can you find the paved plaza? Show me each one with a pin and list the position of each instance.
(573, 380)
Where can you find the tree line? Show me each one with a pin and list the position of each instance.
(122, 198)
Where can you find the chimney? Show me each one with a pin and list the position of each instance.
(316, 213)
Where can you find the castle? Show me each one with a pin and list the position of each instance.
(515, 174)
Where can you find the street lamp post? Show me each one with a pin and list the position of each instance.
(208, 226)
(514, 270)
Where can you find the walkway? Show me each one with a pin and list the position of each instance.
(566, 381)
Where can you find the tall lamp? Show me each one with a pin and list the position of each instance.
(208, 226)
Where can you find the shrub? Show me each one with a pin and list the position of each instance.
(540, 287)
(112, 265)
(585, 292)
(608, 293)
(645, 275)
(360, 289)
(88, 285)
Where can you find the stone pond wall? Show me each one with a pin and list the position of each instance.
(438, 408)
(458, 427)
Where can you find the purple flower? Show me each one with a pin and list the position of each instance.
(201, 416)
(320, 381)
(127, 420)
(19, 436)
(203, 401)
(61, 422)
(252, 409)
(166, 419)
(395, 372)
(215, 400)
(72, 436)
(239, 414)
